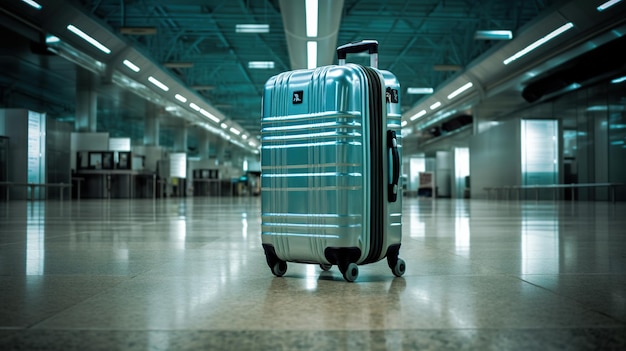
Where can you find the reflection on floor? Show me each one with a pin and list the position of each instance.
(191, 274)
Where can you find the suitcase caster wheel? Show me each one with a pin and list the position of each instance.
(400, 268)
(351, 272)
(280, 268)
(325, 267)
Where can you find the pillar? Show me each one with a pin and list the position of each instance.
(86, 101)
(180, 137)
(204, 145)
(151, 125)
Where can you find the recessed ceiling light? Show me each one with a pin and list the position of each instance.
(88, 38)
(607, 4)
(33, 4)
(252, 28)
(415, 91)
(131, 65)
(619, 80)
(311, 11)
(418, 115)
(261, 64)
(158, 83)
(209, 115)
(493, 35)
(311, 54)
(460, 90)
(562, 29)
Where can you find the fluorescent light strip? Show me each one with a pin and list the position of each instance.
(235, 130)
(88, 39)
(33, 4)
(460, 90)
(194, 106)
(538, 43)
(404, 123)
(311, 54)
(607, 4)
(51, 39)
(493, 35)
(252, 28)
(224, 125)
(261, 64)
(244, 137)
(311, 8)
(180, 98)
(209, 115)
(418, 115)
(415, 91)
(158, 83)
(619, 80)
(435, 105)
(131, 65)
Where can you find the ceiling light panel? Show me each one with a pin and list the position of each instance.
(607, 4)
(252, 28)
(311, 8)
(460, 90)
(417, 91)
(418, 115)
(493, 35)
(209, 115)
(311, 54)
(33, 4)
(261, 64)
(158, 83)
(88, 38)
(131, 65)
(562, 29)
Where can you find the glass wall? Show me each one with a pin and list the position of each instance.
(593, 138)
(540, 152)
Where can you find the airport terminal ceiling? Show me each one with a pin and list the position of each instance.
(425, 43)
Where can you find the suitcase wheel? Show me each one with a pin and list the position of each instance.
(351, 272)
(325, 266)
(279, 268)
(399, 269)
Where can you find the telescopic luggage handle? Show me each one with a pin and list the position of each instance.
(371, 46)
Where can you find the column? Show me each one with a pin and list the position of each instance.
(86, 101)
(151, 125)
(180, 137)
(204, 145)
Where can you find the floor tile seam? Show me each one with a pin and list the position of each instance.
(581, 304)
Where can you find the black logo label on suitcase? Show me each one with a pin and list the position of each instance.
(392, 95)
(297, 97)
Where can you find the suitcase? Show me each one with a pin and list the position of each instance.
(330, 166)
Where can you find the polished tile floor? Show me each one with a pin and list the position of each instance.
(191, 275)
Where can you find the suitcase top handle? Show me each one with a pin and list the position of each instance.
(371, 46)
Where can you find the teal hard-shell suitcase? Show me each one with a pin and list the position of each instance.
(330, 166)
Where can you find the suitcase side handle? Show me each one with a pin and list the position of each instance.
(394, 166)
(371, 46)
